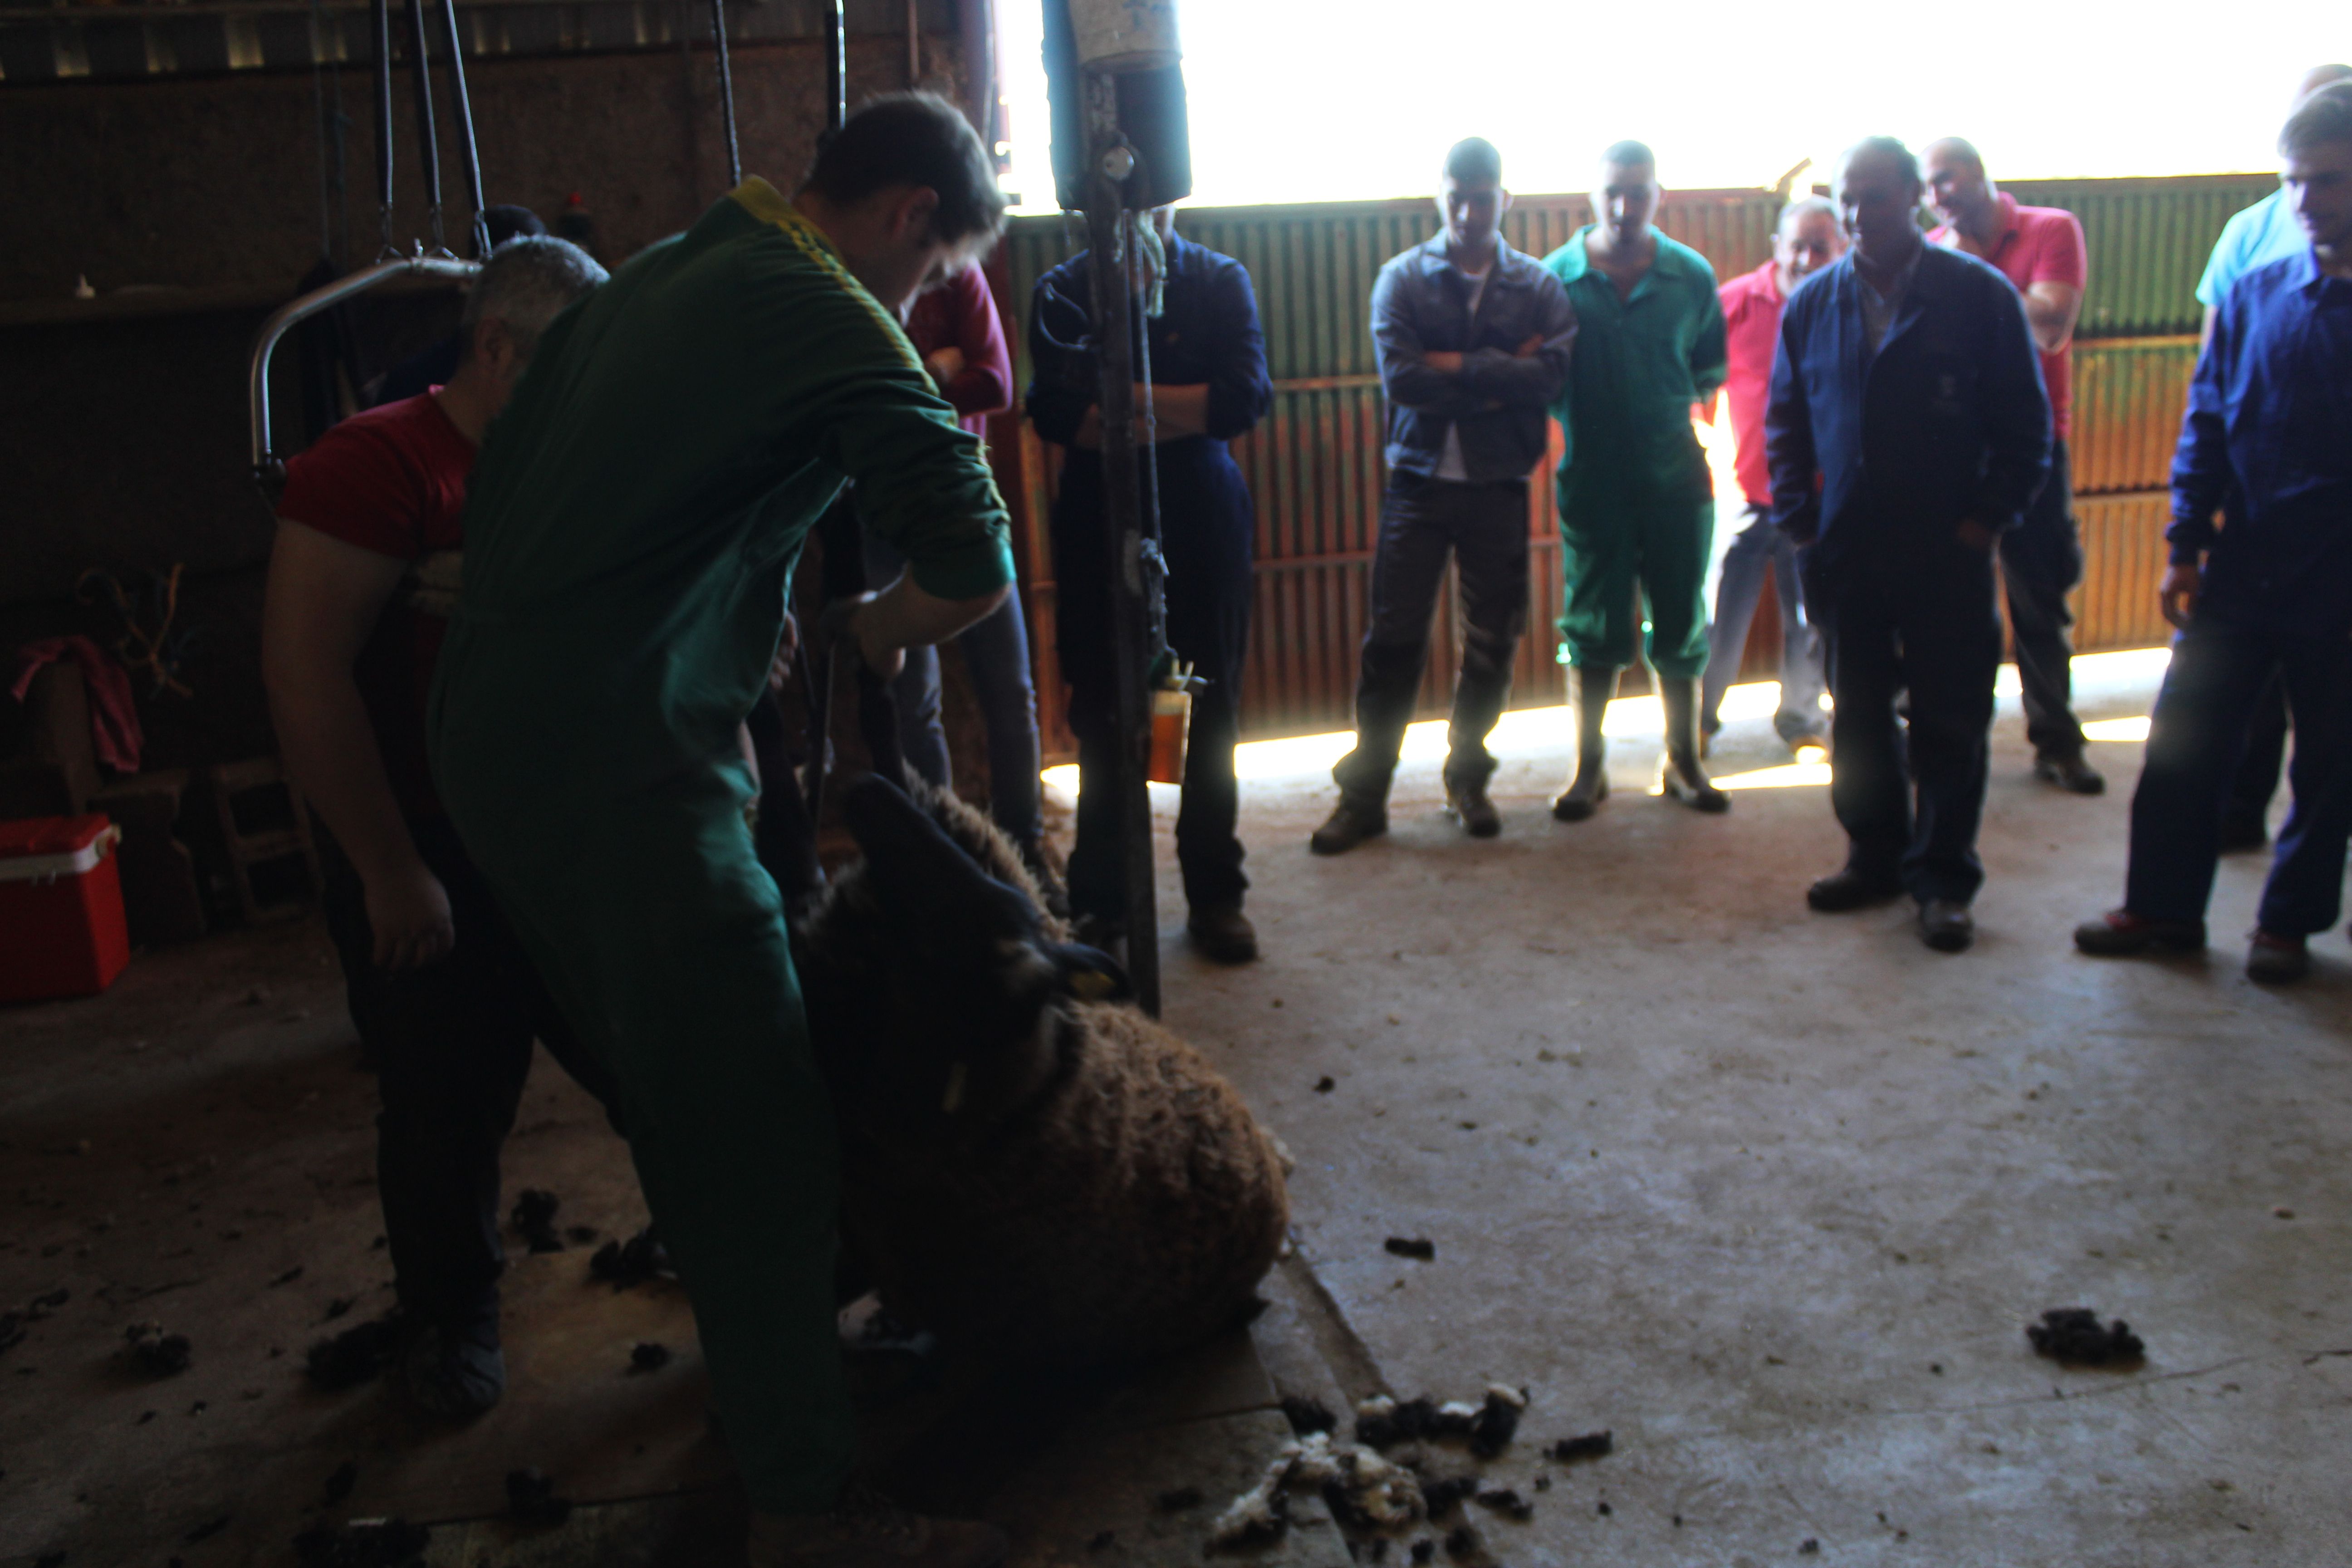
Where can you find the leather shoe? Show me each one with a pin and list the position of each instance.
(1351, 822)
(1467, 801)
(1222, 934)
(2119, 933)
(1946, 925)
(2276, 960)
(1850, 889)
(2070, 773)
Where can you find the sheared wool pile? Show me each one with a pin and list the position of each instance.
(1385, 1494)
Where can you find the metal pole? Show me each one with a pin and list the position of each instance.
(380, 15)
(1111, 234)
(428, 140)
(836, 67)
(726, 92)
(463, 103)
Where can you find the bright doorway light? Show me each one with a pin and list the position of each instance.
(2118, 730)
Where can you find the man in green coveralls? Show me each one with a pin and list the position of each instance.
(635, 520)
(1636, 500)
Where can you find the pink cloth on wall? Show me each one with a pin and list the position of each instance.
(114, 731)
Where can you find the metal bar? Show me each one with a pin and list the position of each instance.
(427, 140)
(268, 470)
(462, 102)
(726, 92)
(837, 66)
(1111, 228)
(380, 21)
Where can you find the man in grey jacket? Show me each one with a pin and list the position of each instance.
(1473, 339)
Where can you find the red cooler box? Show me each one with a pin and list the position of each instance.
(61, 926)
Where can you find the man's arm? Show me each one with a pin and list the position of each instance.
(2050, 310)
(1789, 441)
(1061, 362)
(1710, 359)
(1408, 376)
(2016, 418)
(982, 380)
(2200, 468)
(320, 607)
(1533, 376)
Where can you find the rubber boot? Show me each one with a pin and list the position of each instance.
(1589, 691)
(1680, 770)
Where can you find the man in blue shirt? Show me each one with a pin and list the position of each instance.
(2262, 233)
(1473, 339)
(1908, 429)
(1209, 385)
(1636, 498)
(2267, 443)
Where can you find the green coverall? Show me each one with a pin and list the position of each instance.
(635, 519)
(1636, 500)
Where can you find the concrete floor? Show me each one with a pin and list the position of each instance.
(1769, 1195)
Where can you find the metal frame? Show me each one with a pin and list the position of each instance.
(269, 467)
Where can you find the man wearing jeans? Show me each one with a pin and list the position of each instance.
(2267, 443)
(2039, 249)
(1473, 339)
(1907, 430)
(1806, 240)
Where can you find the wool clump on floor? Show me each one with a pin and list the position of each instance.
(2075, 1335)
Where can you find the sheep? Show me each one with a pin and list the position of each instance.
(1029, 1163)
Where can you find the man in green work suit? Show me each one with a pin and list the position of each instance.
(634, 523)
(1636, 500)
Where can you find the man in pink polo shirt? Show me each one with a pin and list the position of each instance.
(2039, 249)
(1806, 240)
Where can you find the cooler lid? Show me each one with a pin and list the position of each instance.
(42, 848)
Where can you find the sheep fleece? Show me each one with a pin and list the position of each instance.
(1128, 1212)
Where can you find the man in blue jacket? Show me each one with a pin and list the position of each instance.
(1907, 430)
(2267, 443)
(1209, 385)
(1473, 339)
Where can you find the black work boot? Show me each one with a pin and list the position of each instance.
(1466, 799)
(1222, 934)
(451, 1365)
(1589, 691)
(1679, 769)
(1353, 820)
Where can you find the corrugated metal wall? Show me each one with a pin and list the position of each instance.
(1314, 465)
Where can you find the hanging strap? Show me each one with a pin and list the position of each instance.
(463, 104)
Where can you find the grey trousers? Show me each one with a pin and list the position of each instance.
(1759, 545)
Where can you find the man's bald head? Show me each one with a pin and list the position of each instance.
(1958, 186)
(1878, 194)
(2318, 77)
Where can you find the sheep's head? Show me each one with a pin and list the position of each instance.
(934, 994)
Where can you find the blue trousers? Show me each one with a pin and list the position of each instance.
(2195, 743)
(1759, 545)
(1905, 613)
(996, 656)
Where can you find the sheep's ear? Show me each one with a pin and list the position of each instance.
(1090, 974)
(924, 879)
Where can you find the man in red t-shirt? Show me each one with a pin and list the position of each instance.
(2039, 249)
(1807, 238)
(360, 582)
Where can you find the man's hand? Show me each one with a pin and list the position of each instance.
(408, 914)
(1528, 350)
(779, 668)
(852, 620)
(2178, 594)
(1977, 536)
(945, 365)
(1444, 362)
